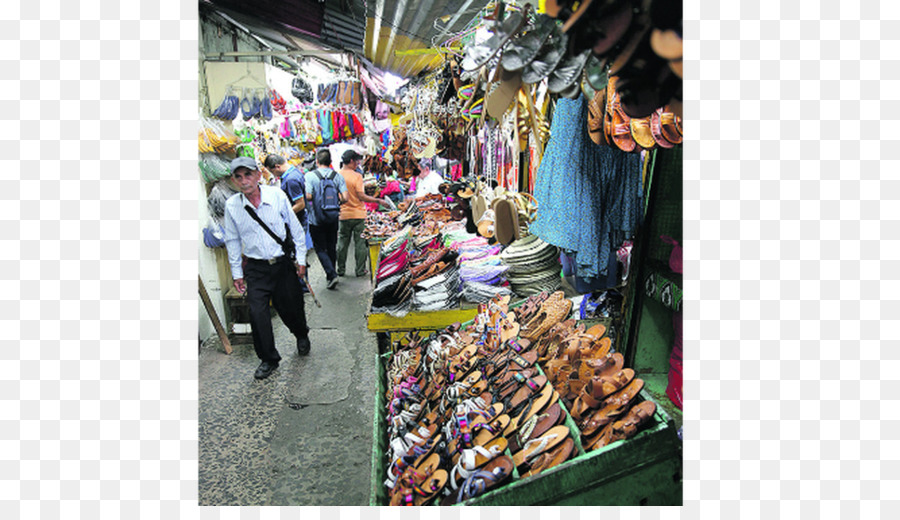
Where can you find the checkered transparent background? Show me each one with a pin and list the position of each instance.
(791, 259)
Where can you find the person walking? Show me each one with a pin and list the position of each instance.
(270, 272)
(325, 192)
(353, 215)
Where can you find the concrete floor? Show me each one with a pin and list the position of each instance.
(304, 435)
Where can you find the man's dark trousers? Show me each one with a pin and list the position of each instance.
(279, 282)
(324, 239)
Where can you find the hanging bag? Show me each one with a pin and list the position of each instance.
(301, 90)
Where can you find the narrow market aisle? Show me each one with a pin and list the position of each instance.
(304, 435)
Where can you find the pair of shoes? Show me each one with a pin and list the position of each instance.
(303, 346)
(332, 283)
(265, 369)
(364, 273)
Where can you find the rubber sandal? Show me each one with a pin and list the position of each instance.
(534, 447)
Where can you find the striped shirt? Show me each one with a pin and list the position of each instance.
(243, 234)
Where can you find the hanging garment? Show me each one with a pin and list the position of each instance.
(589, 194)
(326, 125)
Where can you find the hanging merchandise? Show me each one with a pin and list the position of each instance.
(229, 107)
(213, 167)
(301, 90)
(214, 137)
(581, 183)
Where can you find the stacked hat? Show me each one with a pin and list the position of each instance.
(533, 266)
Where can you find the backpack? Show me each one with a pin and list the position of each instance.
(326, 199)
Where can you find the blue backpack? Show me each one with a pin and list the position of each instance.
(326, 199)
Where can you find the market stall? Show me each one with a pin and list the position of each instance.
(524, 284)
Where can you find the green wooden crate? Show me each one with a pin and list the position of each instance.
(643, 470)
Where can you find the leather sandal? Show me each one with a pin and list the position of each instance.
(552, 458)
(478, 55)
(597, 390)
(538, 445)
(639, 415)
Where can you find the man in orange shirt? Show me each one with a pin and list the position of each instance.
(353, 215)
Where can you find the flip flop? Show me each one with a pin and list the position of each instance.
(546, 442)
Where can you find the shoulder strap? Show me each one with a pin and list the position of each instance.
(318, 174)
(255, 217)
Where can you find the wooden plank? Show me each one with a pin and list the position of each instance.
(433, 320)
(211, 311)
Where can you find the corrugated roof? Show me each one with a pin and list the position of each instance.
(409, 25)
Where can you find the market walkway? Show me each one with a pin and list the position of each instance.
(304, 435)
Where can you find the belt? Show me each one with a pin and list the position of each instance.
(270, 261)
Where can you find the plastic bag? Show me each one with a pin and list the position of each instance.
(215, 202)
(213, 235)
(214, 137)
(213, 167)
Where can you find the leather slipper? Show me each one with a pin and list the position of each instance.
(522, 50)
(640, 131)
(493, 474)
(670, 127)
(536, 426)
(538, 445)
(639, 415)
(550, 459)
(506, 226)
(597, 390)
(548, 58)
(656, 130)
(478, 55)
(564, 75)
(502, 92)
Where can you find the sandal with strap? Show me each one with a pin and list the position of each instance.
(613, 407)
(639, 415)
(597, 390)
(491, 475)
(551, 458)
(534, 447)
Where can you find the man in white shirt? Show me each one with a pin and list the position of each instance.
(269, 272)
(429, 181)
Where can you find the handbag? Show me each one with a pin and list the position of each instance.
(287, 245)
